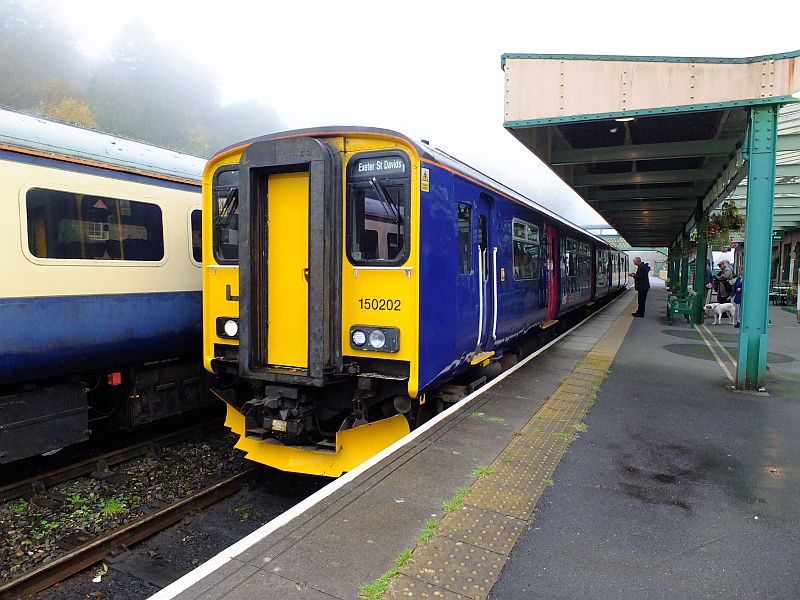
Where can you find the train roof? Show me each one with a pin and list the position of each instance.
(426, 152)
(20, 132)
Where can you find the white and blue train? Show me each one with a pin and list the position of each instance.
(100, 302)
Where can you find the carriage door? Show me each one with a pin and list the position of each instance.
(487, 283)
(553, 268)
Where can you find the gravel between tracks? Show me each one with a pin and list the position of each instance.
(39, 529)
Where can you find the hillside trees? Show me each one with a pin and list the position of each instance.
(144, 90)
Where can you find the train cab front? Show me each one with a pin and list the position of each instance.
(309, 297)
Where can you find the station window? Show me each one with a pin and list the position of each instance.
(196, 231)
(527, 263)
(225, 204)
(464, 238)
(378, 190)
(66, 225)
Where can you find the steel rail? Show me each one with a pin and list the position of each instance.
(38, 483)
(84, 556)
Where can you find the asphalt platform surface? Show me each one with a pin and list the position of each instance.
(680, 487)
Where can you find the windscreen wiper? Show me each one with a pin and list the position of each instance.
(230, 206)
(386, 200)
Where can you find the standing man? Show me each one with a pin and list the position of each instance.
(641, 283)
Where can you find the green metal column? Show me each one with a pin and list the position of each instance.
(670, 279)
(752, 360)
(700, 272)
(684, 266)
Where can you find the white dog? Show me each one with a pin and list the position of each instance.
(721, 309)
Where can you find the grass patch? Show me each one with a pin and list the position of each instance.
(580, 427)
(508, 460)
(564, 435)
(538, 417)
(20, 507)
(517, 433)
(243, 511)
(452, 505)
(428, 530)
(375, 589)
(112, 506)
(476, 414)
(77, 500)
(497, 420)
(482, 471)
(548, 482)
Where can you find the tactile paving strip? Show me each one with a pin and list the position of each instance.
(455, 566)
(404, 586)
(471, 545)
(483, 528)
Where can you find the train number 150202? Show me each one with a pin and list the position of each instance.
(379, 304)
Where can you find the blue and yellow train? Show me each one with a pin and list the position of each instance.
(353, 277)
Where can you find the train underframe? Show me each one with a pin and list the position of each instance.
(44, 416)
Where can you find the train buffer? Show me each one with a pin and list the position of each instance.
(619, 460)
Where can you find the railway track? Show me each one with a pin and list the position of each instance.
(95, 550)
(38, 484)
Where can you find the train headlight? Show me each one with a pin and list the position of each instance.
(359, 338)
(377, 339)
(374, 338)
(231, 328)
(228, 327)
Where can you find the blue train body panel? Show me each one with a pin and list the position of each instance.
(449, 304)
(49, 336)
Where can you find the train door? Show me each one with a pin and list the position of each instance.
(288, 284)
(486, 273)
(287, 281)
(553, 267)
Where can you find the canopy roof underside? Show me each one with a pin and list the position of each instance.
(647, 140)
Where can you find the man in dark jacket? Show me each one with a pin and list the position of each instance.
(641, 283)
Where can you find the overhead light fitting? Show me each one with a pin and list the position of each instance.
(624, 119)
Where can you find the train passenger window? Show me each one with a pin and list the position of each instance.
(571, 258)
(67, 225)
(225, 204)
(196, 223)
(527, 263)
(464, 238)
(378, 190)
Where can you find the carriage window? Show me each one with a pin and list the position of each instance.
(527, 264)
(602, 267)
(571, 258)
(67, 225)
(196, 231)
(225, 204)
(464, 238)
(377, 209)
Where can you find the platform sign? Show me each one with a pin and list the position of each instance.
(425, 179)
(777, 236)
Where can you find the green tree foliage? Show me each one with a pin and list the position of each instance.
(145, 90)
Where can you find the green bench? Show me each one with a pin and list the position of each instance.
(688, 304)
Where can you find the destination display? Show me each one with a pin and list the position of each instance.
(378, 165)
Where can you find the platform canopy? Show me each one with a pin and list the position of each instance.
(649, 142)
(786, 210)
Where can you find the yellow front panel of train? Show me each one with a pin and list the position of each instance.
(287, 270)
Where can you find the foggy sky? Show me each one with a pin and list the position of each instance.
(427, 69)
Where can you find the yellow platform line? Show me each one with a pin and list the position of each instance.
(465, 556)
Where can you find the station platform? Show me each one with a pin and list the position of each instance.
(617, 463)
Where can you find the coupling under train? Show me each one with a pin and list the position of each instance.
(100, 303)
(352, 277)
